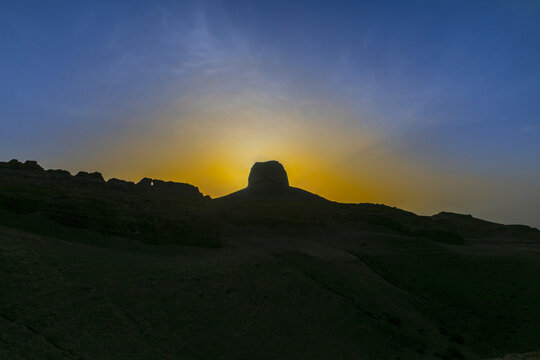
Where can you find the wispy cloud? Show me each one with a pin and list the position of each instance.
(528, 129)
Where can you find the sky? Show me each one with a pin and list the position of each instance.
(425, 105)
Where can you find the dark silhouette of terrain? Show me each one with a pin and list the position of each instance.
(151, 211)
(95, 269)
(269, 171)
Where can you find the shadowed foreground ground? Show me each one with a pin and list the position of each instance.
(359, 295)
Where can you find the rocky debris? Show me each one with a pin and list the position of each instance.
(269, 171)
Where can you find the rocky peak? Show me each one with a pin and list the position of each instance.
(269, 171)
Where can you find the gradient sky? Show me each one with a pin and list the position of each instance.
(424, 105)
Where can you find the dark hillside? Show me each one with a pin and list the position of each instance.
(151, 211)
(99, 270)
(470, 227)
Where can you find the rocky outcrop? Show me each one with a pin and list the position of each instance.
(59, 174)
(94, 177)
(153, 211)
(270, 172)
(32, 165)
(120, 184)
(167, 187)
(16, 164)
(145, 183)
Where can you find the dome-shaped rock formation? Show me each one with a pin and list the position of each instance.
(268, 171)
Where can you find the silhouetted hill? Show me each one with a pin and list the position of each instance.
(168, 212)
(470, 227)
(295, 276)
(273, 203)
(151, 211)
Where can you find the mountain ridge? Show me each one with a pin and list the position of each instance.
(113, 269)
(112, 207)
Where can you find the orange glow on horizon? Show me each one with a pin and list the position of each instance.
(214, 146)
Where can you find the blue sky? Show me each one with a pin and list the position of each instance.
(445, 92)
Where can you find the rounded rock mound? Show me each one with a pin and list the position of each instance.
(268, 171)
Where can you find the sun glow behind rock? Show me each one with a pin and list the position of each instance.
(213, 143)
(356, 112)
